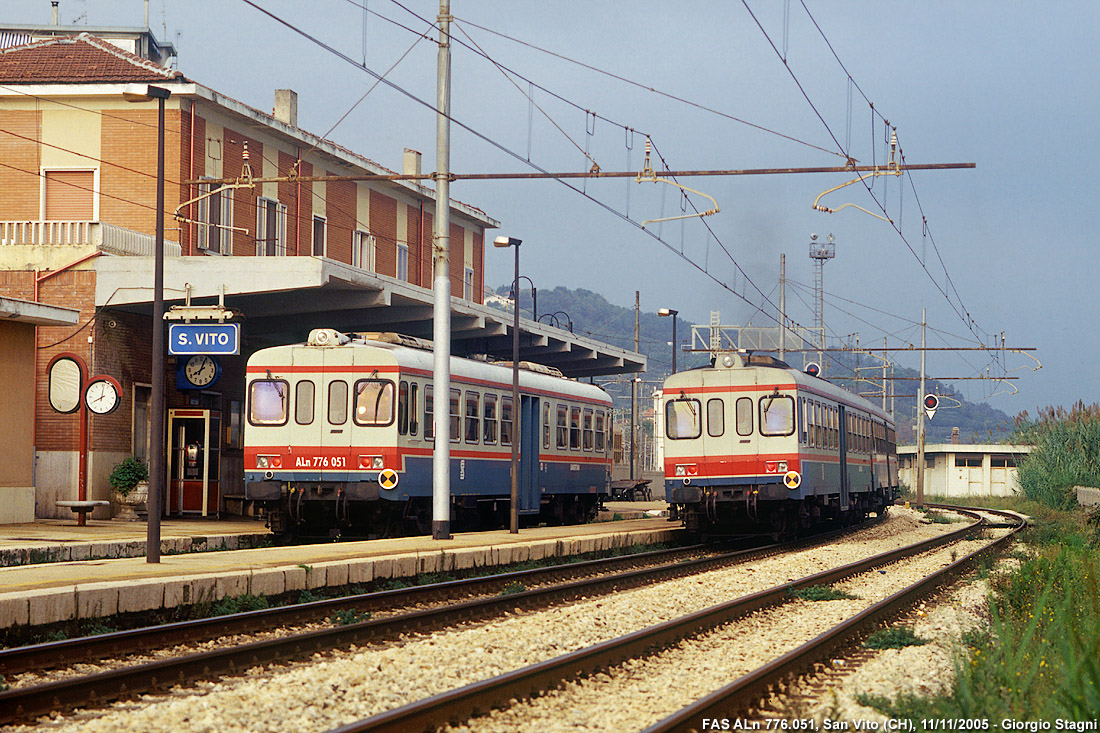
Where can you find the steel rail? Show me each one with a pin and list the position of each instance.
(23, 703)
(458, 705)
(745, 693)
(49, 655)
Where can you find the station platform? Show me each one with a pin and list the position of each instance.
(55, 592)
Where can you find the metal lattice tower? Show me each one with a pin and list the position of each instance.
(819, 252)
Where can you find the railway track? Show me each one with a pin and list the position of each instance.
(741, 698)
(596, 577)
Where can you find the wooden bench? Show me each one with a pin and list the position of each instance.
(82, 508)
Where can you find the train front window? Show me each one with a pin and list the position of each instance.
(716, 417)
(303, 402)
(373, 402)
(267, 402)
(683, 419)
(776, 415)
(743, 407)
(338, 402)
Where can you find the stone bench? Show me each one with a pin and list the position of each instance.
(83, 507)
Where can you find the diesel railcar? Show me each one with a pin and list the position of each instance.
(755, 446)
(339, 439)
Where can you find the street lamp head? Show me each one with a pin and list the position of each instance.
(667, 312)
(144, 93)
(503, 241)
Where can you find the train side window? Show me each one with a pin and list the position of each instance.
(429, 407)
(267, 402)
(506, 420)
(743, 408)
(834, 430)
(403, 408)
(414, 389)
(373, 402)
(304, 392)
(337, 402)
(563, 427)
(473, 417)
(777, 415)
(683, 419)
(574, 428)
(546, 424)
(802, 420)
(588, 435)
(716, 417)
(490, 419)
(456, 415)
(601, 435)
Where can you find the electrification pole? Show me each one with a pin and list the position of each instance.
(920, 417)
(441, 311)
(782, 307)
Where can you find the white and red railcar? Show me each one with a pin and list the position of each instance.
(339, 438)
(753, 445)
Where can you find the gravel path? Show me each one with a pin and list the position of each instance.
(339, 687)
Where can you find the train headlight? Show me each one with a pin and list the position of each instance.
(269, 462)
(372, 462)
(681, 470)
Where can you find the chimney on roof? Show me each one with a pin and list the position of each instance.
(286, 106)
(55, 3)
(412, 162)
(954, 436)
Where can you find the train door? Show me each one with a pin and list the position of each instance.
(337, 400)
(193, 461)
(842, 433)
(530, 495)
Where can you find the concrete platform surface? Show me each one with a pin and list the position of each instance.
(64, 591)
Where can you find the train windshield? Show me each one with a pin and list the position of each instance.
(373, 402)
(682, 419)
(267, 402)
(776, 415)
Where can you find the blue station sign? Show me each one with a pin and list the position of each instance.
(204, 338)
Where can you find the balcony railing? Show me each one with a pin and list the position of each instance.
(107, 237)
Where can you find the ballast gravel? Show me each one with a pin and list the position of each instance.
(339, 687)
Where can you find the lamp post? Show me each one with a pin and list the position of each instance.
(673, 313)
(534, 296)
(145, 93)
(514, 524)
(555, 321)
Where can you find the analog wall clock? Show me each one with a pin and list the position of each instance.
(199, 371)
(102, 396)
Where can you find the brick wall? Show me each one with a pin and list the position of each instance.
(128, 193)
(383, 223)
(192, 165)
(420, 251)
(244, 199)
(21, 184)
(479, 265)
(301, 216)
(288, 195)
(340, 210)
(457, 255)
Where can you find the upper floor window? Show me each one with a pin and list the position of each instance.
(468, 284)
(402, 262)
(319, 242)
(69, 195)
(216, 219)
(270, 228)
(362, 250)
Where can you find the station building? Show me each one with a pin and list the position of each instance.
(78, 165)
(964, 470)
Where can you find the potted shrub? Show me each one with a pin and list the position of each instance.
(129, 481)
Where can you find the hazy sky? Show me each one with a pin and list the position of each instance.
(1011, 87)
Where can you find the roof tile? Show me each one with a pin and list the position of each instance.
(82, 59)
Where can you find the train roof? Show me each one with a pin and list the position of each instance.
(773, 372)
(413, 353)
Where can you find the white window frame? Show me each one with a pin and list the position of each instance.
(324, 236)
(224, 227)
(403, 261)
(261, 227)
(363, 243)
(468, 283)
(42, 188)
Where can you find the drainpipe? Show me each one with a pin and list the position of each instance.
(298, 210)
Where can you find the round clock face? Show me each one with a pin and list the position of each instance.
(200, 370)
(101, 397)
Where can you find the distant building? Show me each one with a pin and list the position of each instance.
(961, 470)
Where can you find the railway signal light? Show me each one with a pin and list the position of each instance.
(931, 402)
